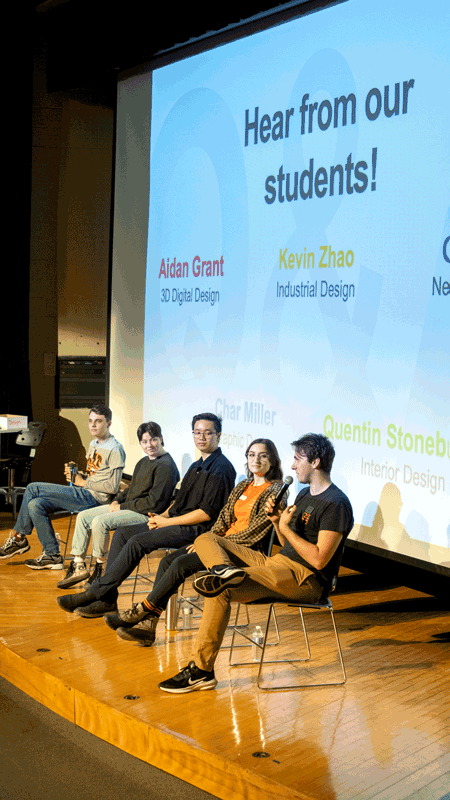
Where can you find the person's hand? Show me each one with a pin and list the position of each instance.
(67, 473)
(156, 521)
(114, 506)
(190, 548)
(286, 516)
(274, 516)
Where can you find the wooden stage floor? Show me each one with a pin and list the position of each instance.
(384, 735)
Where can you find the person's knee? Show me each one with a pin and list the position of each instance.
(37, 507)
(134, 547)
(98, 527)
(30, 492)
(166, 562)
(83, 520)
(119, 539)
(203, 539)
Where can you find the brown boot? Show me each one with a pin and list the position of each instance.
(143, 633)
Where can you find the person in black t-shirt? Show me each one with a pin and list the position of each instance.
(312, 533)
(203, 492)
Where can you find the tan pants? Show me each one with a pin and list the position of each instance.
(276, 576)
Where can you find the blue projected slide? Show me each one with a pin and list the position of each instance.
(298, 266)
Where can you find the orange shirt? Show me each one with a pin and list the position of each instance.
(244, 505)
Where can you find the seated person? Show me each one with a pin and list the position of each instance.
(312, 534)
(154, 479)
(243, 520)
(105, 463)
(203, 492)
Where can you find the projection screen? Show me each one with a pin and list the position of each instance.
(282, 255)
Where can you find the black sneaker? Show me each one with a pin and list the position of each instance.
(96, 609)
(96, 573)
(218, 579)
(128, 618)
(75, 574)
(143, 633)
(190, 679)
(14, 546)
(45, 562)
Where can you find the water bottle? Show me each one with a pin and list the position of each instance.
(187, 615)
(257, 639)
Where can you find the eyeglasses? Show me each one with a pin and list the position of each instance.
(204, 434)
(258, 456)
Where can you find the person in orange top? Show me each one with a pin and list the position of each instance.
(243, 520)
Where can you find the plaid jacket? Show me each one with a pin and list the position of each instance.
(258, 525)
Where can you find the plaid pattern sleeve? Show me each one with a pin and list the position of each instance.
(258, 524)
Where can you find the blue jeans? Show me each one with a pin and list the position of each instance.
(43, 499)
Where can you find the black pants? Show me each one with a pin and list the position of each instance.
(173, 570)
(131, 544)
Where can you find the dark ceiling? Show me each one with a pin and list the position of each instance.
(87, 42)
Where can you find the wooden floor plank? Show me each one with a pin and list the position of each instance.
(385, 734)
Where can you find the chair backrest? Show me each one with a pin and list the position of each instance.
(338, 558)
(31, 436)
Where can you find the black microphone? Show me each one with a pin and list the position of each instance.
(286, 484)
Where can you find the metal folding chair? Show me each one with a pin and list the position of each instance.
(324, 605)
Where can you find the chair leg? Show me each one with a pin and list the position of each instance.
(265, 661)
(274, 687)
(68, 537)
(141, 578)
(65, 541)
(238, 629)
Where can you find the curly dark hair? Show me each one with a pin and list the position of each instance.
(315, 445)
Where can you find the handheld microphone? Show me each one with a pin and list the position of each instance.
(286, 484)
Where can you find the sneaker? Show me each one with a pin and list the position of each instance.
(218, 579)
(128, 618)
(143, 633)
(14, 546)
(190, 679)
(76, 573)
(96, 573)
(45, 562)
(96, 609)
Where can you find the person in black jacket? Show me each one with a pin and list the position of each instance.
(203, 492)
(154, 479)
